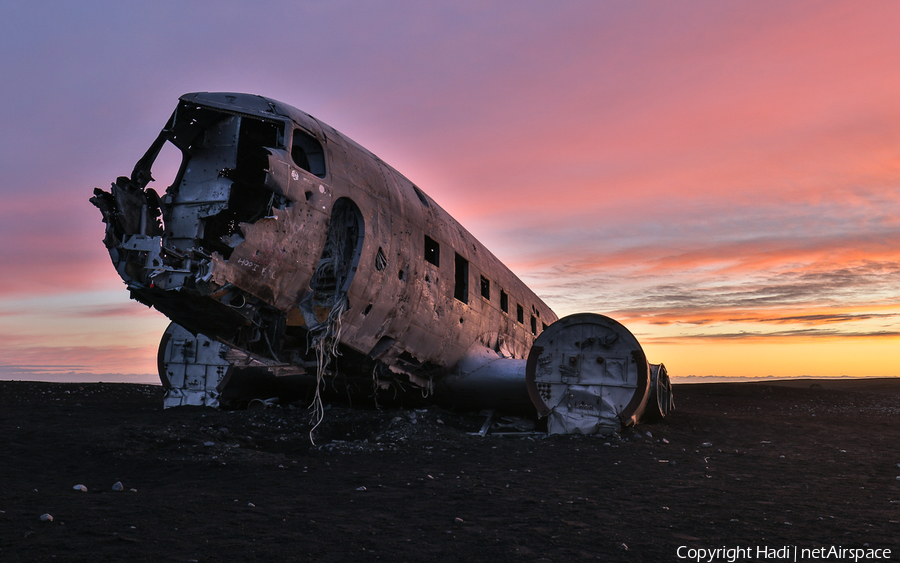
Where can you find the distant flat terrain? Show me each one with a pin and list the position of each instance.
(807, 463)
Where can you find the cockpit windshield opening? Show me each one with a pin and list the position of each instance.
(249, 200)
(307, 153)
(252, 157)
(165, 167)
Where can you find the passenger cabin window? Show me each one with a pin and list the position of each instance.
(432, 251)
(520, 314)
(307, 153)
(504, 302)
(461, 287)
(486, 288)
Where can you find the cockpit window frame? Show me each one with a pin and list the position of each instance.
(307, 152)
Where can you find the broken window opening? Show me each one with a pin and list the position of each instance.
(486, 288)
(189, 125)
(504, 301)
(249, 201)
(533, 325)
(520, 314)
(432, 251)
(252, 156)
(307, 153)
(380, 260)
(165, 167)
(239, 147)
(461, 287)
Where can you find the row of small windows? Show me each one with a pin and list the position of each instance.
(461, 283)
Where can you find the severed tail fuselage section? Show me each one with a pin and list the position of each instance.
(293, 262)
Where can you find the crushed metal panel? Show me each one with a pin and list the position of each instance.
(191, 368)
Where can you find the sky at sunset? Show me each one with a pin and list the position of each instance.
(721, 177)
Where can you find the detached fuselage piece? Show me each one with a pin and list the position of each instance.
(297, 253)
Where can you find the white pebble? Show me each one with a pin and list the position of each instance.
(46, 518)
(118, 486)
(81, 488)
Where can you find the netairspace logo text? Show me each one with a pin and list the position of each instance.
(782, 553)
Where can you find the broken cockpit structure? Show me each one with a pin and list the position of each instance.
(219, 252)
(206, 251)
(284, 252)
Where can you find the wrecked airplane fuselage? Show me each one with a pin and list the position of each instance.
(300, 254)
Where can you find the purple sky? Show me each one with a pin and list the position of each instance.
(722, 177)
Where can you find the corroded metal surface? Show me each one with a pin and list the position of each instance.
(587, 373)
(192, 368)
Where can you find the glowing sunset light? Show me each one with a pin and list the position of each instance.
(840, 358)
(722, 178)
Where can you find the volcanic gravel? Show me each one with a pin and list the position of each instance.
(803, 464)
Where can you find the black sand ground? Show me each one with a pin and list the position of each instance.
(736, 465)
